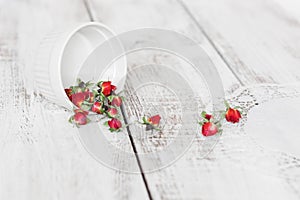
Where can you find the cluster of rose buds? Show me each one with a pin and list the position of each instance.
(101, 99)
(211, 127)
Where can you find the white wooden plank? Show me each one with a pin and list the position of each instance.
(41, 156)
(259, 39)
(129, 14)
(183, 179)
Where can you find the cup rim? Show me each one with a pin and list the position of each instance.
(65, 42)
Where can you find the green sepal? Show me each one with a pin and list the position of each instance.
(99, 83)
(88, 120)
(203, 114)
(226, 104)
(110, 98)
(145, 120)
(85, 107)
(240, 109)
(112, 130)
(78, 81)
(71, 119)
(89, 84)
(105, 123)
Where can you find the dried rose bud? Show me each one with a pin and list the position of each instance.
(78, 98)
(80, 118)
(114, 124)
(112, 112)
(233, 115)
(117, 101)
(97, 107)
(107, 88)
(154, 120)
(209, 129)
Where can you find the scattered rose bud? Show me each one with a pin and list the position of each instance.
(114, 124)
(154, 120)
(117, 101)
(78, 98)
(233, 115)
(80, 118)
(107, 88)
(112, 112)
(97, 107)
(209, 129)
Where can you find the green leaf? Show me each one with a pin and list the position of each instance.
(105, 123)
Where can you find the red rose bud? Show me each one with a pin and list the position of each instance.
(233, 115)
(69, 93)
(117, 101)
(154, 120)
(112, 112)
(114, 124)
(208, 117)
(97, 107)
(209, 129)
(107, 88)
(78, 98)
(80, 118)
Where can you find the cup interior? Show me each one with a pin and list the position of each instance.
(78, 47)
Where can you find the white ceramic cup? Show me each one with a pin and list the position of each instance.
(61, 56)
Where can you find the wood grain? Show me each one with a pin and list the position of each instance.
(180, 180)
(41, 155)
(258, 39)
(222, 174)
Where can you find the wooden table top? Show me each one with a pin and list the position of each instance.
(253, 42)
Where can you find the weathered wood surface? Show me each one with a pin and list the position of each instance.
(249, 42)
(258, 39)
(41, 156)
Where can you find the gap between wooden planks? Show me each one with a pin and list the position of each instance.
(168, 183)
(229, 45)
